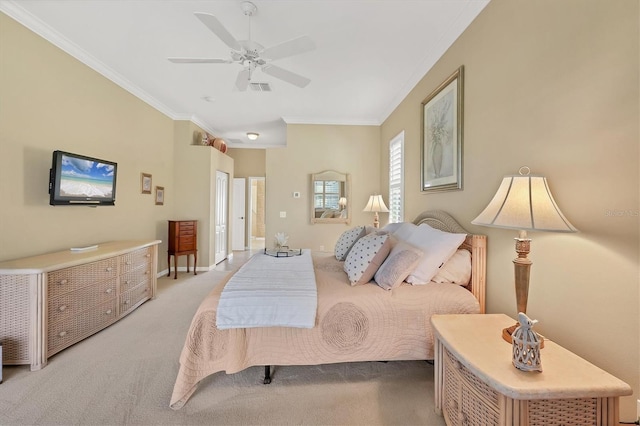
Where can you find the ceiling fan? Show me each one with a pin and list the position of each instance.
(251, 54)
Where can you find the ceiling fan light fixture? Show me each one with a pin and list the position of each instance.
(252, 136)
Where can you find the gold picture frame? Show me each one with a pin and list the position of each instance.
(145, 183)
(441, 148)
(159, 195)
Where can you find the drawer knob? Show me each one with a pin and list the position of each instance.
(127, 282)
(109, 269)
(62, 333)
(63, 282)
(128, 262)
(108, 291)
(146, 272)
(108, 312)
(62, 308)
(147, 255)
(126, 302)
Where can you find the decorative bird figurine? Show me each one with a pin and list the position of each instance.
(526, 345)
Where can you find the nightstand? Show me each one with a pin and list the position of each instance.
(477, 384)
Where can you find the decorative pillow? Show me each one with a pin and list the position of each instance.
(365, 257)
(390, 228)
(329, 214)
(438, 246)
(456, 270)
(402, 259)
(346, 241)
(405, 231)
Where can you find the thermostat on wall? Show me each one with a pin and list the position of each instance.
(296, 194)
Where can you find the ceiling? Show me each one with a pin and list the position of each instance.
(369, 54)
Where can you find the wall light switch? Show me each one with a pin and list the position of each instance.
(283, 214)
(296, 194)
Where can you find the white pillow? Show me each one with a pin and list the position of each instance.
(438, 246)
(405, 231)
(346, 241)
(456, 270)
(392, 227)
(366, 256)
(402, 259)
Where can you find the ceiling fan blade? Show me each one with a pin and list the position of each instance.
(242, 81)
(288, 76)
(218, 29)
(289, 48)
(199, 61)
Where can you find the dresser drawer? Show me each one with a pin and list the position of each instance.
(134, 278)
(73, 329)
(69, 279)
(186, 227)
(466, 399)
(130, 299)
(186, 243)
(135, 259)
(72, 303)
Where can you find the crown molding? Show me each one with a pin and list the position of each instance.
(12, 9)
(331, 121)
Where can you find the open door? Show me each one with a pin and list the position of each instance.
(238, 221)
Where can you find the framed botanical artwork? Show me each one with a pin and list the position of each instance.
(159, 195)
(145, 183)
(441, 149)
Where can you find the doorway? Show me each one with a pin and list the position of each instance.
(221, 216)
(256, 216)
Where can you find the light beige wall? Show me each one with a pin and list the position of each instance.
(313, 149)
(554, 86)
(248, 162)
(49, 101)
(195, 176)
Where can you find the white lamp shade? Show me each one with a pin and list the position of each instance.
(375, 204)
(524, 203)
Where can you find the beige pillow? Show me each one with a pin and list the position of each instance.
(402, 259)
(365, 257)
(456, 270)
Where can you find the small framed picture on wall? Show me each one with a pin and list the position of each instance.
(159, 195)
(145, 183)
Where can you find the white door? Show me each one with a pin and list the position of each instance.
(222, 204)
(238, 218)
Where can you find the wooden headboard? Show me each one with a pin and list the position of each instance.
(476, 244)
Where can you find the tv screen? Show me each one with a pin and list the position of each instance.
(80, 180)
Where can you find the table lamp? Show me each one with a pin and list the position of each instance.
(523, 202)
(342, 202)
(376, 204)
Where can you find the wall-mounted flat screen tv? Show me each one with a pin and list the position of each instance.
(80, 180)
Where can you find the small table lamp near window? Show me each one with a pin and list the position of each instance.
(523, 202)
(376, 204)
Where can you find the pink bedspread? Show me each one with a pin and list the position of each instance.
(362, 323)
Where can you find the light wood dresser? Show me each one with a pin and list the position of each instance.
(477, 384)
(183, 240)
(51, 301)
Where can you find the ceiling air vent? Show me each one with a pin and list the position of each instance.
(260, 87)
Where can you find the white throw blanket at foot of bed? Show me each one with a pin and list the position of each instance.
(270, 291)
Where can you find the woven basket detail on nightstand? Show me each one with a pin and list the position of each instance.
(135, 259)
(14, 318)
(69, 279)
(577, 412)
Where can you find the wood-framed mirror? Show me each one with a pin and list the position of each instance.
(330, 197)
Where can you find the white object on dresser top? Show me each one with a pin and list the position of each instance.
(475, 340)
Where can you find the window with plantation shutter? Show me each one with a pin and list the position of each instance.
(396, 179)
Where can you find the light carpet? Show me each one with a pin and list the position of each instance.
(124, 375)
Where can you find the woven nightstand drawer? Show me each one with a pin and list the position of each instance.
(69, 279)
(71, 330)
(132, 298)
(135, 259)
(134, 278)
(72, 303)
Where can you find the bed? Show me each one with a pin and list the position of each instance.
(353, 323)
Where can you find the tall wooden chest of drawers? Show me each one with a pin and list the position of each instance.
(51, 301)
(183, 240)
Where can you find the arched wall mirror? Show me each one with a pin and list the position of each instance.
(330, 197)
